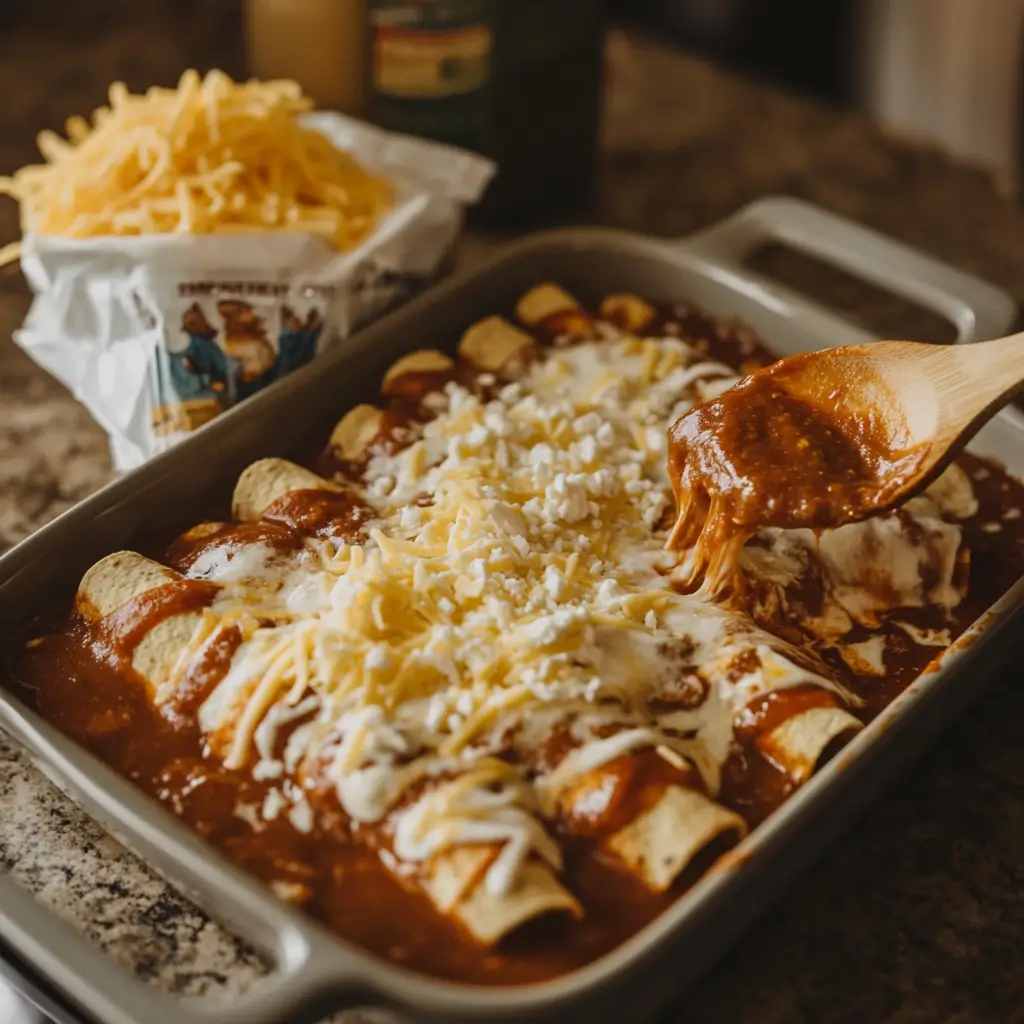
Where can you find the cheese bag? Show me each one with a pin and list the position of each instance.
(193, 246)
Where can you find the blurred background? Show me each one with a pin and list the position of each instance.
(944, 71)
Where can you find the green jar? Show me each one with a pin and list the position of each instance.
(517, 80)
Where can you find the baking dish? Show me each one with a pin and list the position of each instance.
(315, 972)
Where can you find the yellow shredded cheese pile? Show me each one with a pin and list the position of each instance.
(210, 156)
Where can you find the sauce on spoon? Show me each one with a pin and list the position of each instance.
(799, 444)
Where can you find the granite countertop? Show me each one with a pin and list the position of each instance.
(918, 913)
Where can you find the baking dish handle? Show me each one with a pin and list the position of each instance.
(302, 992)
(977, 309)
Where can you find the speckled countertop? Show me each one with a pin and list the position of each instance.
(917, 915)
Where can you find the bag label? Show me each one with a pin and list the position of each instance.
(226, 341)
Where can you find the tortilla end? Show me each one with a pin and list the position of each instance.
(119, 578)
(493, 342)
(659, 844)
(797, 744)
(451, 874)
(261, 483)
(424, 360)
(116, 580)
(489, 916)
(629, 311)
(355, 431)
(542, 300)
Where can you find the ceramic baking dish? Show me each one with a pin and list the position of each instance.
(315, 973)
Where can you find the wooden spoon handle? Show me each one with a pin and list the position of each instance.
(989, 371)
(972, 382)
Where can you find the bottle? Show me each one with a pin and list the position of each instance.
(319, 43)
(516, 80)
(431, 67)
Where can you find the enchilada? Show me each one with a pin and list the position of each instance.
(455, 667)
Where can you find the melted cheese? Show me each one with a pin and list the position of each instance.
(222, 564)
(489, 803)
(905, 559)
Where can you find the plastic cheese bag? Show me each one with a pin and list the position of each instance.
(156, 334)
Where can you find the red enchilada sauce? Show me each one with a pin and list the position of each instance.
(97, 702)
(203, 673)
(773, 458)
(120, 632)
(320, 513)
(761, 456)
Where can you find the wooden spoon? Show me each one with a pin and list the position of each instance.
(835, 436)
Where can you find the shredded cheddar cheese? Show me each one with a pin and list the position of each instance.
(210, 156)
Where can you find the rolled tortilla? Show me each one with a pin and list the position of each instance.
(268, 480)
(673, 820)
(356, 431)
(660, 843)
(454, 877)
(454, 882)
(494, 344)
(109, 590)
(425, 361)
(554, 313)
(798, 744)
(279, 490)
(627, 311)
(113, 581)
(543, 301)
(781, 701)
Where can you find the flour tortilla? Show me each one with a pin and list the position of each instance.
(264, 482)
(659, 844)
(356, 430)
(542, 301)
(119, 578)
(797, 744)
(455, 883)
(493, 343)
